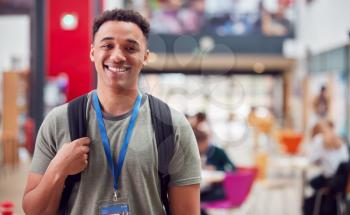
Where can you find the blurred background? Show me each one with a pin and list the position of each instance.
(255, 76)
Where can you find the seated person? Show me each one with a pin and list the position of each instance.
(328, 151)
(215, 159)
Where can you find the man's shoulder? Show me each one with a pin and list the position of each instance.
(178, 118)
(57, 112)
(56, 117)
(55, 120)
(61, 111)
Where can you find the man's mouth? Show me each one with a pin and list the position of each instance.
(115, 69)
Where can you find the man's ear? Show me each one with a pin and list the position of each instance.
(145, 58)
(92, 53)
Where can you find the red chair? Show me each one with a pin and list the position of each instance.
(291, 142)
(237, 186)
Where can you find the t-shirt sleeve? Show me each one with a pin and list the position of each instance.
(46, 144)
(185, 166)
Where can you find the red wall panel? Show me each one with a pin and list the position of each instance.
(68, 50)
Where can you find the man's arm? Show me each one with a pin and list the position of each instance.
(43, 192)
(184, 170)
(184, 200)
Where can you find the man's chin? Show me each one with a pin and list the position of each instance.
(122, 87)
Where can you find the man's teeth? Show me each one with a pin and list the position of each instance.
(115, 69)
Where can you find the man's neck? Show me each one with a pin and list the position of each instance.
(117, 102)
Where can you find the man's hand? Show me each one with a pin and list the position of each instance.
(43, 192)
(72, 158)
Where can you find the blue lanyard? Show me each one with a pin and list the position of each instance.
(115, 171)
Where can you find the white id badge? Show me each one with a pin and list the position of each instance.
(114, 207)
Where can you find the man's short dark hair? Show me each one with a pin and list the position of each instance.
(124, 16)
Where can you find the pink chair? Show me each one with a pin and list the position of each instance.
(237, 186)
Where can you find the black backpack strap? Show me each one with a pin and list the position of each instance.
(163, 128)
(77, 117)
(77, 129)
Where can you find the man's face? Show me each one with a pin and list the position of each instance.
(119, 52)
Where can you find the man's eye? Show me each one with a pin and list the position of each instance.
(107, 46)
(131, 49)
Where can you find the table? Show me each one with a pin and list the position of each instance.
(211, 176)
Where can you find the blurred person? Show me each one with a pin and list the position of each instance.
(273, 23)
(201, 122)
(261, 121)
(252, 117)
(168, 13)
(191, 16)
(213, 158)
(328, 151)
(321, 103)
(118, 51)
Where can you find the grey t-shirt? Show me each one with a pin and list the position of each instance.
(139, 181)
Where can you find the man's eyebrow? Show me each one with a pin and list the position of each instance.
(106, 38)
(128, 40)
(133, 42)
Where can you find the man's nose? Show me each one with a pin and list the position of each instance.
(118, 55)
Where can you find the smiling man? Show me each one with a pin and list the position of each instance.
(118, 159)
